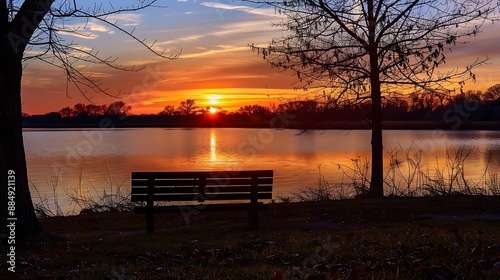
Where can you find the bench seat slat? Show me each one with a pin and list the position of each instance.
(200, 197)
(237, 181)
(209, 189)
(195, 182)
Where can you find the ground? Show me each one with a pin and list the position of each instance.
(363, 238)
(357, 213)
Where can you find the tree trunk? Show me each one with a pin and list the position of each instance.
(377, 181)
(13, 171)
(16, 207)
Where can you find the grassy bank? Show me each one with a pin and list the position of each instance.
(389, 238)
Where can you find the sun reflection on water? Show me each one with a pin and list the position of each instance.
(213, 146)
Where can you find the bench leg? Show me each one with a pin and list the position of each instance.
(253, 219)
(150, 222)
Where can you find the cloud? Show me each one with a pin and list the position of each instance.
(244, 27)
(241, 8)
(223, 38)
(79, 34)
(89, 30)
(94, 26)
(223, 49)
(127, 19)
(190, 38)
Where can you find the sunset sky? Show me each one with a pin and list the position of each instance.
(215, 67)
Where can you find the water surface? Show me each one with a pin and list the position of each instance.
(69, 159)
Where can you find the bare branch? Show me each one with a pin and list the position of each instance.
(326, 44)
(51, 46)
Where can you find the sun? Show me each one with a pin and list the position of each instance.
(212, 110)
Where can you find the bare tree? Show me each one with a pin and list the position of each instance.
(169, 110)
(66, 112)
(37, 26)
(187, 107)
(94, 110)
(118, 108)
(364, 49)
(249, 110)
(493, 92)
(80, 109)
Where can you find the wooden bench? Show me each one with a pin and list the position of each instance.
(243, 188)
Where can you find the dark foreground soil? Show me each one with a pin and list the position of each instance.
(341, 214)
(362, 238)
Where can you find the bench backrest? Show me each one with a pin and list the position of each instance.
(201, 186)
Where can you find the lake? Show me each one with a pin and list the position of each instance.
(62, 161)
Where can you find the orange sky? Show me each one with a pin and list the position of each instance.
(215, 66)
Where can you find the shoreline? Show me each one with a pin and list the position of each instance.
(301, 125)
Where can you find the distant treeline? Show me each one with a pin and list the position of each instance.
(432, 107)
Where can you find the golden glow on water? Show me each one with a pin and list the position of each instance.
(213, 145)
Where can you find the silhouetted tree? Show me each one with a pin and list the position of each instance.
(256, 109)
(187, 107)
(118, 108)
(470, 97)
(80, 110)
(302, 108)
(396, 103)
(33, 27)
(362, 49)
(428, 100)
(66, 112)
(493, 92)
(169, 110)
(94, 110)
